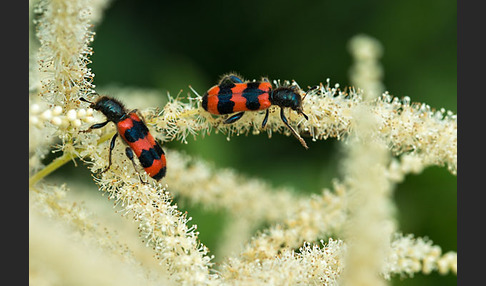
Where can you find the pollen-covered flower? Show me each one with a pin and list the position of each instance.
(63, 30)
(411, 255)
(161, 225)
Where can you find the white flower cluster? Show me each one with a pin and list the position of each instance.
(370, 222)
(177, 121)
(310, 265)
(161, 225)
(367, 72)
(417, 129)
(412, 255)
(64, 34)
(74, 118)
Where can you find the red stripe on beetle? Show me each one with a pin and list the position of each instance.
(239, 88)
(127, 123)
(214, 90)
(240, 102)
(156, 166)
(265, 86)
(264, 100)
(213, 104)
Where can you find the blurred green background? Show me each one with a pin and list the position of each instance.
(168, 45)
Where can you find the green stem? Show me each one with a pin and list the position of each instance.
(58, 162)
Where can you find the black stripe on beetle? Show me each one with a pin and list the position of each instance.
(147, 157)
(138, 131)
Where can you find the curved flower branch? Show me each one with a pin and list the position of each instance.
(417, 135)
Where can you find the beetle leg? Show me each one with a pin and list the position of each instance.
(310, 89)
(95, 126)
(234, 118)
(112, 146)
(129, 153)
(265, 119)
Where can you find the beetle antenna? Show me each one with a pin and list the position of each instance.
(310, 89)
(85, 100)
(296, 135)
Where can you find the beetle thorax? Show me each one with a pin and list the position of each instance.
(286, 97)
(111, 108)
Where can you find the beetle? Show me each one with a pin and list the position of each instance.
(232, 94)
(134, 133)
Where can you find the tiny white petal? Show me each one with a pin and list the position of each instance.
(57, 110)
(56, 121)
(34, 108)
(81, 113)
(46, 115)
(64, 122)
(89, 119)
(34, 120)
(71, 115)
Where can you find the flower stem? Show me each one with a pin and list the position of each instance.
(58, 162)
(55, 164)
